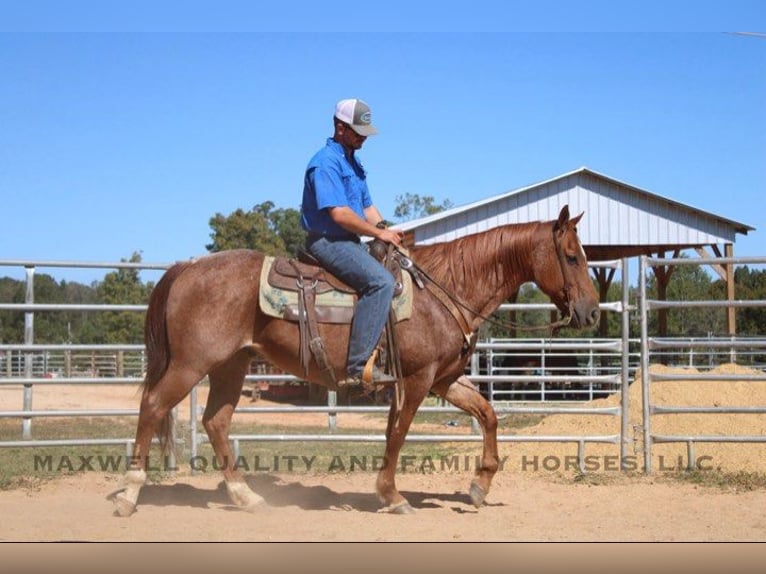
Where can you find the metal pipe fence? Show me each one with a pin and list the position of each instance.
(565, 373)
(31, 365)
(732, 349)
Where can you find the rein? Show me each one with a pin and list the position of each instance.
(563, 322)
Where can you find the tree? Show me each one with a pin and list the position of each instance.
(49, 326)
(263, 228)
(124, 287)
(287, 225)
(11, 322)
(690, 283)
(412, 205)
(750, 285)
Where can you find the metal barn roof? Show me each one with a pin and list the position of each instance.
(620, 220)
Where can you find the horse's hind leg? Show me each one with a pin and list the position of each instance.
(225, 389)
(156, 402)
(463, 395)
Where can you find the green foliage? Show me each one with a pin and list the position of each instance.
(411, 206)
(124, 287)
(49, 326)
(287, 225)
(11, 322)
(750, 285)
(690, 283)
(263, 228)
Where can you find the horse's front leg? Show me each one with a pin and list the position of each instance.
(464, 395)
(398, 425)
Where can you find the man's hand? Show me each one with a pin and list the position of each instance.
(350, 221)
(391, 236)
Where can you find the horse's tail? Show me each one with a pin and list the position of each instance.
(157, 344)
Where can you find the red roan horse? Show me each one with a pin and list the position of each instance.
(203, 319)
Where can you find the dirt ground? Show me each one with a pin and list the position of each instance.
(321, 506)
(343, 508)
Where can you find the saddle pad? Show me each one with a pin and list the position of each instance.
(276, 302)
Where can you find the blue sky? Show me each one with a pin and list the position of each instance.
(123, 141)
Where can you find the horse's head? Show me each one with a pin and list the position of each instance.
(561, 271)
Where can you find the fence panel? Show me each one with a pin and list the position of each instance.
(734, 350)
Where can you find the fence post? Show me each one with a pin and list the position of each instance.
(29, 339)
(625, 438)
(645, 397)
(332, 416)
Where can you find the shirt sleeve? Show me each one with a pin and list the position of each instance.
(366, 198)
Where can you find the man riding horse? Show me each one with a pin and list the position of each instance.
(336, 210)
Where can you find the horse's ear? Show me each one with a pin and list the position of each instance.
(573, 222)
(563, 218)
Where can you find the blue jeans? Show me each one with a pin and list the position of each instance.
(351, 262)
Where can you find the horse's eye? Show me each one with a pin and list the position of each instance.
(571, 259)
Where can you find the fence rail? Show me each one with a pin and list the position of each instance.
(554, 375)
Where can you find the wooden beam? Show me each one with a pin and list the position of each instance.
(662, 273)
(719, 269)
(604, 279)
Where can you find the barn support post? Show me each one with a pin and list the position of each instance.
(726, 272)
(604, 279)
(663, 273)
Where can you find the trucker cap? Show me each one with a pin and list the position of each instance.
(357, 114)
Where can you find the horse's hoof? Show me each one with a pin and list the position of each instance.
(241, 495)
(477, 494)
(254, 505)
(401, 508)
(123, 506)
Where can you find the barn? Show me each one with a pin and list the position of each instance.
(622, 221)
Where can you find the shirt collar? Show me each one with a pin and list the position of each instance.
(337, 148)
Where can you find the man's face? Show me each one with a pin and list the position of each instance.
(348, 138)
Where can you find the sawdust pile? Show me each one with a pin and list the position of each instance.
(727, 457)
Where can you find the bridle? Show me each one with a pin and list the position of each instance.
(565, 273)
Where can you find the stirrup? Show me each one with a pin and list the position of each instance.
(370, 376)
(374, 379)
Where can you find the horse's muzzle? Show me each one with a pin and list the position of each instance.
(589, 318)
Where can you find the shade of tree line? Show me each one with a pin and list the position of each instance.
(277, 231)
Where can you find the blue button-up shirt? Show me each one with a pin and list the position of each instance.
(332, 181)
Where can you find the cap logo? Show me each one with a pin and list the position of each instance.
(366, 118)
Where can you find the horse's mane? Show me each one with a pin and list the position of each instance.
(475, 260)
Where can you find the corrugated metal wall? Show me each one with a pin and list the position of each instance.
(614, 215)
